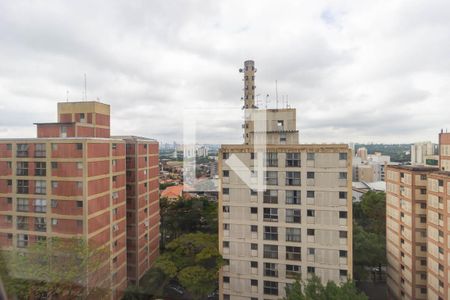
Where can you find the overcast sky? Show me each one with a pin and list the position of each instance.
(361, 71)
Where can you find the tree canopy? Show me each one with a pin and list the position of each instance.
(313, 289)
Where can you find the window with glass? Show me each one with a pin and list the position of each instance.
(270, 251)
(270, 214)
(39, 150)
(310, 175)
(22, 240)
(293, 271)
(22, 223)
(22, 204)
(271, 233)
(293, 197)
(272, 159)
(271, 178)
(311, 213)
(293, 216)
(270, 269)
(22, 150)
(40, 205)
(293, 253)
(310, 194)
(310, 156)
(40, 168)
(293, 235)
(343, 156)
(40, 224)
(22, 168)
(270, 196)
(41, 187)
(293, 178)
(342, 175)
(270, 288)
(292, 159)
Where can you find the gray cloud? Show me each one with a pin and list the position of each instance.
(356, 71)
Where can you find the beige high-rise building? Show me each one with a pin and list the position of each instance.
(417, 230)
(444, 151)
(285, 208)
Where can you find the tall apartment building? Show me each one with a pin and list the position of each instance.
(444, 151)
(417, 230)
(298, 223)
(406, 231)
(423, 153)
(71, 181)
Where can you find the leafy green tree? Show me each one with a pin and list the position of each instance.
(373, 207)
(369, 251)
(313, 289)
(194, 261)
(56, 268)
(187, 216)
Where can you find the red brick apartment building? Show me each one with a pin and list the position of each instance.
(74, 179)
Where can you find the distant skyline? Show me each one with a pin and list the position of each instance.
(357, 71)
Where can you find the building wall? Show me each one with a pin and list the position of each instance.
(444, 151)
(324, 223)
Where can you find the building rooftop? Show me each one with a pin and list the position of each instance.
(132, 137)
(414, 168)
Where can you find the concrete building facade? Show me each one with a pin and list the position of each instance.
(70, 181)
(299, 223)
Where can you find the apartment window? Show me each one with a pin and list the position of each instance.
(79, 146)
(10, 236)
(226, 209)
(272, 159)
(441, 250)
(441, 233)
(293, 253)
(293, 216)
(226, 191)
(114, 146)
(270, 270)
(22, 204)
(342, 156)
(271, 178)
(226, 226)
(423, 205)
(293, 235)
(226, 173)
(39, 150)
(41, 187)
(54, 222)
(310, 156)
(310, 213)
(22, 168)
(270, 214)
(254, 264)
(40, 224)
(22, 223)
(423, 262)
(293, 160)
(293, 197)
(342, 215)
(311, 270)
(79, 165)
(270, 288)
(310, 232)
(310, 175)
(270, 196)
(22, 240)
(8, 219)
(9, 147)
(253, 210)
(54, 147)
(54, 165)
(311, 251)
(252, 155)
(342, 175)
(9, 182)
(22, 150)
(292, 271)
(226, 279)
(293, 178)
(423, 276)
(423, 219)
(254, 228)
(423, 177)
(40, 169)
(270, 251)
(9, 200)
(226, 244)
(22, 186)
(254, 282)
(270, 233)
(423, 248)
(441, 284)
(9, 165)
(225, 155)
(54, 203)
(423, 290)
(343, 273)
(423, 191)
(342, 253)
(253, 246)
(226, 297)
(40, 205)
(310, 194)
(342, 195)
(253, 193)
